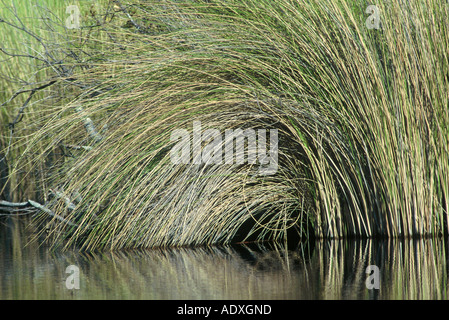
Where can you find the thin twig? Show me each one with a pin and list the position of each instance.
(89, 125)
(135, 24)
(70, 205)
(70, 146)
(19, 115)
(32, 92)
(22, 55)
(51, 213)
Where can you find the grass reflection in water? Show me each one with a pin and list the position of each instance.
(414, 269)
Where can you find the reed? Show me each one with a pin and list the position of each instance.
(20, 72)
(361, 114)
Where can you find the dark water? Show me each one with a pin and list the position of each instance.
(416, 269)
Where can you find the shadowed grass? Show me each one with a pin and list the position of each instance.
(362, 119)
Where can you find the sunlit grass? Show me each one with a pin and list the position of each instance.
(362, 116)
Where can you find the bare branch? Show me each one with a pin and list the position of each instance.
(4, 203)
(89, 125)
(51, 213)
(15, 208)
(22, 55)
(60, 195)
(32, 92)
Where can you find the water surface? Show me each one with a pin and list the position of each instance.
(412, 269)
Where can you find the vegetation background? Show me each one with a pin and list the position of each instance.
(362, 115)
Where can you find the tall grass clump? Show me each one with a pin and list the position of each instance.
(361, 113)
